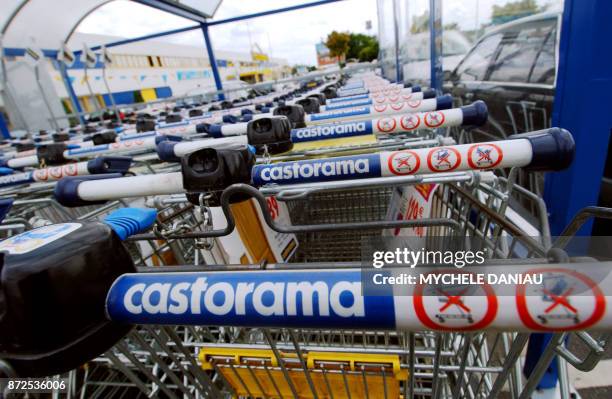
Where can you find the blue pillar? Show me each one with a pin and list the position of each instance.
(71, 93)
(582, 106)
(435, 44)
(212, 60)
(4, 128)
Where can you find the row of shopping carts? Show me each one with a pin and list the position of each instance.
(232, 237)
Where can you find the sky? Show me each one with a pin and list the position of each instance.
(290, 35)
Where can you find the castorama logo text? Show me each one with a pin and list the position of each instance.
(317, 170)
(270, 298)
(337, 130)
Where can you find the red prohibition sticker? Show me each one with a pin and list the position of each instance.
(410, 122)
(386, 125)
(450, 308)
(393, 99)
(443, 159)
(434, 118)
(414, 103)
(70, 170)
(56, 172)
(41, 174)
(484, 156)
(380, 100)
(397, 106)
(404, 162)
(380, 108)
(566, 300)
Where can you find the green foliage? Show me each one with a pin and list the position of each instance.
(338, 43)
(519, 7)
(352, 45)
(357, 42)
(369, 53)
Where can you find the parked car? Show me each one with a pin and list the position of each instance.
(513, 69)
(416, 51)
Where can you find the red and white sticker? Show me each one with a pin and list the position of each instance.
(566, 300)
(455, 307)
(443, 159)
(484, 156)
(386, 125)
(380, 107)
(397, 106)
(414, 103)
(434, 118)
(56, 172)
(380, 99)
(407, 96)
(410, 122)
(404, 162)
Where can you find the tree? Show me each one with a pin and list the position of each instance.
(338, 43)
(516, 8)
(362, 47)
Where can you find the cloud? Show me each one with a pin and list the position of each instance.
(291, 35)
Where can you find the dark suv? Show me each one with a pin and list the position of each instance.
(513, 69)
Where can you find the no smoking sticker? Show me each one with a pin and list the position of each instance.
(455, 307)
(566, 300)
(404, 162)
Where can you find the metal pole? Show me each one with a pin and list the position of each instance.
(583, 72)
(91, 93)
(212, 60)
(4, 128)
(398, 71)
(435, 44)
(44, 96)
(110, 93)
(61, 66)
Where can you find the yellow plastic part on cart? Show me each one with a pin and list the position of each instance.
(256, 373)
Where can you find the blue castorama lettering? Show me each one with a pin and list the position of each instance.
(340, 113)
(88, 150)
(137, 136)
(321, 132)
(355, 103)
(349, 98)
(17, 178)
(171, 124)
(317, 170)
(270, 298)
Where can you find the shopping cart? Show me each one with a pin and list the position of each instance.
(287, 362)
(231, 358)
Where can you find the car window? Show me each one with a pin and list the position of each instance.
(518, 51)
(475, 64)
(546, 65)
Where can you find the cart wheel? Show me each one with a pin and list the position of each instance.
(542, 319)
(440, 318)
(470, 320)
